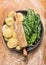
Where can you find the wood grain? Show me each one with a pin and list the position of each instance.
(35, 57)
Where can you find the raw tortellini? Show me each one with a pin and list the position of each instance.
(14, 35)
(18, 48)
(11, 14)
(8, 30)
(9, 21)
(6, 39)
(7, 33)
(4, 27)
(12, 42)
(20, 16)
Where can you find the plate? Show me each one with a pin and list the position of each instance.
(37, 43)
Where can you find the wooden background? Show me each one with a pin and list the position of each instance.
(36, 57)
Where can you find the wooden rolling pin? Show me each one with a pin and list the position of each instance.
(21, 35)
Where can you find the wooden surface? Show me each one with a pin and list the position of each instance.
(36, 57)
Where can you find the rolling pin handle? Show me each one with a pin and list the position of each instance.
(24, 52)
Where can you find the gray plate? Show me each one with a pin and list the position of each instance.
(29, 48)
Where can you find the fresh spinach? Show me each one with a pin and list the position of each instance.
(32, 27)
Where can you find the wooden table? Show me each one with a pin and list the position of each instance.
(35, 57)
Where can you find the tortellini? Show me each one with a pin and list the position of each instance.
(12, 42)
(7, 33)
(18, 48)
(12, 27)
(9, 21)
(14, 35)
(4, 27)
(9, 28)
(6, 39)
(20, 16)
(11, 14)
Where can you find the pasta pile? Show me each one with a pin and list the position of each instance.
(8, 30)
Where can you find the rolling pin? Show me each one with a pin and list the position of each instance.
(21, 35)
